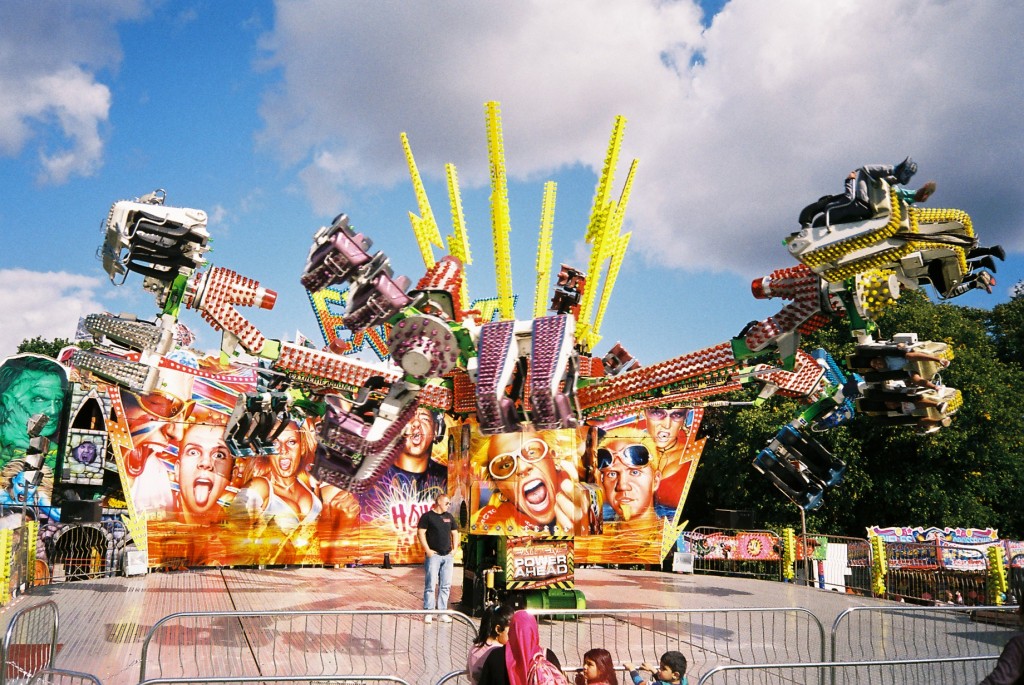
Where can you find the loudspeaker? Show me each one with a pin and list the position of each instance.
(136, 563)
(80, 511)
(682, 562)
(734, 519)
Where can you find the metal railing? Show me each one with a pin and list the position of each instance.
(708, 637)
(30, 642)
(288, 645)
(462, 678)
(454, 678)
(721, 551)
(82, 551)
(936, 571)
(358, 679)
(846, 567)
(309, 645)
(60, 676)
(913, 632)
(891, 672)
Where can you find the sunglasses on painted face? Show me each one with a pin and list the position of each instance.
(165, 405)
(677, 415)
(634, 455)
(503, 465)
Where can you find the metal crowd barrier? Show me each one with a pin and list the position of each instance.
(303, 645)
(913, 632)
(847, 564)
(260, 680)
(462, 678)
(713, 554)
(919, 570)
(30, 642)
(893, 672)
(59, 676)
(708, 637)
(901, 645)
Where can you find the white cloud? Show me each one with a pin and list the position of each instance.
(218, 216)
(46, 304)
(736, 126)
(355, 75)
(79, 105)
(50, 55)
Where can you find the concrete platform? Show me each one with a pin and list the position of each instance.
(104, 622)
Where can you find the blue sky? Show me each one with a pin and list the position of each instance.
(274, 117)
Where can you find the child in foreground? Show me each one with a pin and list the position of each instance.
(598, 669)
(671, 670)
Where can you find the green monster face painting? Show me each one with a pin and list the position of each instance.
(28, 386)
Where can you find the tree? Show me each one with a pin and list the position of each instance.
(1006, 326)
(39, 345)
(969, 474)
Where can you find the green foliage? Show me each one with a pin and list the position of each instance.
(39, 345)
(1006, 326)
(970, 474)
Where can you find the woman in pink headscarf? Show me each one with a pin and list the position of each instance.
(510, 664)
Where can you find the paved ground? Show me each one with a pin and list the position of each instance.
(104, 623)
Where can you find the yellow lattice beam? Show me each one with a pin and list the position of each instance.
(501, 224)
(424, 226)
(604, 182)
(6, 557)
(421, 231)
(121, 441)
(614, 245)
(606, 217)
(620, 210)
(458, 240)
(618, 253)
(544, 254)
(594, 263)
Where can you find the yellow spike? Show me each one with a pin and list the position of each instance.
(627, 189)
(458, 241)
(427, 223)
(544, 254)
(604, 183)
(599, 252)
(422, 233)
(614, 245)
(500, 220)
(609, 282)
(583, 336)
(606, 218)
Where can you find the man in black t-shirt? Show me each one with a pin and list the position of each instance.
(415, 478)
(438, 534)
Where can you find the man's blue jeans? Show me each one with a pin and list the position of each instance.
(438, 580)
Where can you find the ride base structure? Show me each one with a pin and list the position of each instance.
(555, 454)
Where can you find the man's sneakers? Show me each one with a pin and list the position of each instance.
(443, 618)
